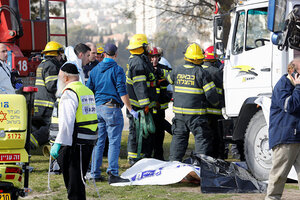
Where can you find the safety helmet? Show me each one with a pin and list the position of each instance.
(209, 53)
(194, 52)
(138, 40)
(52, 48)
(153, 51)
(160, 51)
(100, 50)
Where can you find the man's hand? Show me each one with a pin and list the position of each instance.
(297, 80)
(54, 150)
(134, 114)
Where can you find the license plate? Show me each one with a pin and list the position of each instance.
(5, 196)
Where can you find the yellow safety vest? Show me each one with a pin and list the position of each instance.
(85, 129)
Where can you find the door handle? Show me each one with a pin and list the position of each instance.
(266, 69)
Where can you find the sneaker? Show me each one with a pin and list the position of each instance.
(117, 180)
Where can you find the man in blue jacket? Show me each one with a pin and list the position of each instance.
(107, 80)
(284, 130)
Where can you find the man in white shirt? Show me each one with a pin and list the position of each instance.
(79, 55)
(77, 130)
(5, 72)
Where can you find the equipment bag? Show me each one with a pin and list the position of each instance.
(219, 176)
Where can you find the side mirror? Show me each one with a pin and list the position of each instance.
(218, 28)
(276, 15)
(219, 49)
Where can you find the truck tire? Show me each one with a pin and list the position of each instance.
(256, 147)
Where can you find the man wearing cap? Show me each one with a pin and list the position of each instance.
(100, 54)
(107, 80)
(77, 130)
(44, 99)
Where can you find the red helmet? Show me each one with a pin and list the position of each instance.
(154, 51)
(209, 53)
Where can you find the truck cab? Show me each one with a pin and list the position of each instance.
(253, 65)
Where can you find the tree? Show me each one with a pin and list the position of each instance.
(193, 16)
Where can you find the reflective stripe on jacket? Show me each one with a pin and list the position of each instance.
(141, 82)
(216, 75)
(46, 82)
(193, 89)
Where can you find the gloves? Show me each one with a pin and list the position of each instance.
(54, 150)
(146, 110)
(134, 114)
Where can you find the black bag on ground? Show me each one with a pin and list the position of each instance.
(219, 176)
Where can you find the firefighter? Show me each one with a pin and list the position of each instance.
(193, 89)
(46, 82)
(212, 66)
(161, 105)
(141, 87)
(100, 54)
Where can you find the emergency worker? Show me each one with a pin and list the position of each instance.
(100, 54)
(193, 89)
(46, 80)
(161, 105)
(212, 66)
(141, 87)
(77, 130)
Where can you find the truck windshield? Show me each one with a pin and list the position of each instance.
(257, 28)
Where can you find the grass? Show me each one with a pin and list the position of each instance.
(39, 177)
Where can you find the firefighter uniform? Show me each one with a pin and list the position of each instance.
(141, 88)
(193, 89)
(214, 113)
(159, 114)
(46, 82)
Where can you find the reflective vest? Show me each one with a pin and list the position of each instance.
(46, 81)
(141, 82)
(193, 89)
(86, 123)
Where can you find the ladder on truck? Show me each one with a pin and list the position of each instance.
(48, 18)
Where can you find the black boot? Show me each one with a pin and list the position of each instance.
(117, 180)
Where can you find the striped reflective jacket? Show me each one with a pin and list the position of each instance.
(161, 89)
(141, 82)
(193, 89)
(216, 75)
(46, 81)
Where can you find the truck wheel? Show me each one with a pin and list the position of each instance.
(256, 147)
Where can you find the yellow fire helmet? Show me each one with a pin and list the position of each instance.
(137, 41)
(100, 50)
(52, 48)
(194, 52)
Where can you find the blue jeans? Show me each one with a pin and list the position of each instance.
(110, 123)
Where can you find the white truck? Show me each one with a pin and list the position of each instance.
(253, 65)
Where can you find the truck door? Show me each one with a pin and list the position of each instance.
(247, 72)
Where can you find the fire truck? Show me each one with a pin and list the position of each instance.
(253, 65)
(25, 39)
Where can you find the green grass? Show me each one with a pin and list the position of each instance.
(39, 177)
